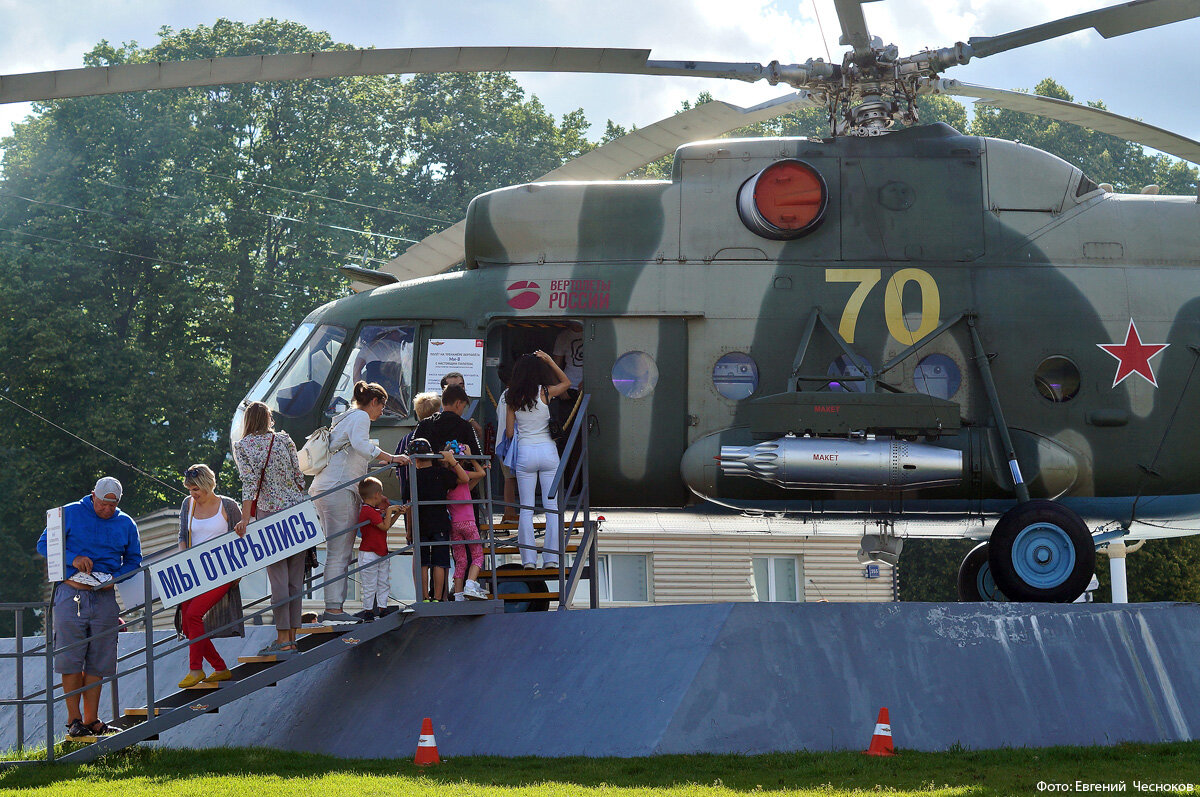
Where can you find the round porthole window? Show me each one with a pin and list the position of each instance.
(735, 376)
(844, 367)
(635, 374)
(1057, 379)
(937, 375)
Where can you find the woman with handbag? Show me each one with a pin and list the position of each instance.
(203, 516)
(528, 424)
(351, 451)
(271, 481)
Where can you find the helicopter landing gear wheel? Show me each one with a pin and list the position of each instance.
(1041, 551)
(975, 582)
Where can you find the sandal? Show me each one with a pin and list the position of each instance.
(76, 728)
(102, 730)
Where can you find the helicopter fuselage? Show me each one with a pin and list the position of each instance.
(854, 341)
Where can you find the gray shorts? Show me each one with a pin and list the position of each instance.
(95, 613)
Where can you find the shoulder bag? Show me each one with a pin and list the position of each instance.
(314, 456)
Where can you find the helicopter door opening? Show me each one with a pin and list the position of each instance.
(635, 370)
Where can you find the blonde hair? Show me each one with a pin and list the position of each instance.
(257, 419)
(200, 475)
(369, 486)
(426, 404)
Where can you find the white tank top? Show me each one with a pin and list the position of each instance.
(205, 529)
(533, 426)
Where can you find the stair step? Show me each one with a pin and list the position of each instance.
(503, 549)
(516, 575)
(143, 711)
(527, 596)
(319, 629)
(204, 687)
(538, 526)
(261, 659)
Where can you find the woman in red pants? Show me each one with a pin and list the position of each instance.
(203, 516)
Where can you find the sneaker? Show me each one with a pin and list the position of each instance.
(551, 565)
(337, 618)
(386, 610)
(366, 615)
(460, 596)
(530, 566)
(473, 592)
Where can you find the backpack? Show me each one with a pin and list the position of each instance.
(314, 456)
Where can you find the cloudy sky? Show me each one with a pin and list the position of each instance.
(1137, 75)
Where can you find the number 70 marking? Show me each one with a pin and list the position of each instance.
(893, 304)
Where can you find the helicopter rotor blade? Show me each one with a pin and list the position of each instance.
(1109, 22)
(122, 78)
(854, 25)
(442, 250)
(1096, 119)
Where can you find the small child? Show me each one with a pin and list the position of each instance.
(462, 527)
(379, 516)
(432, 485)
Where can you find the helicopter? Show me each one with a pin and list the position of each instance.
(908, 332)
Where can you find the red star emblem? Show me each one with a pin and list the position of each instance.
(1133, 356)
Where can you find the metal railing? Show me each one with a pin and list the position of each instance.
(154, 649)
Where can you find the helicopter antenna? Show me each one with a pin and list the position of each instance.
(129, 465)
(821, 28)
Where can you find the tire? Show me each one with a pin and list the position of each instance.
(975, 582)
(1041, 551)
(530, 585)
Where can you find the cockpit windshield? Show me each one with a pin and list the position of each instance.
(297, 391)
(383, 354)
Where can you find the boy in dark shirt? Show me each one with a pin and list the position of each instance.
(432, 485)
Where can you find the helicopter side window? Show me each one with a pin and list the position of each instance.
(383, 354)
(937, 375)
(296, 393)
(635, 374)
(1057, 379)
(735, 376)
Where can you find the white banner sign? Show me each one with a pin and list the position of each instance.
(54, 544)
(464, 355)
(221, 560)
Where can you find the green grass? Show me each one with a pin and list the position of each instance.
(267, 773)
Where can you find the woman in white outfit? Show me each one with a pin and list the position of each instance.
(528, 412)
(351, 453)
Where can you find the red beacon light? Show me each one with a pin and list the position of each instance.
(785, 200)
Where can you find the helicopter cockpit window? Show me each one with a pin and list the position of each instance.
(735, 376)
(845, 367)
(382, 354)
(635, 374)
(937, 375)
(296, 393)
(1057, 379)
(1086, 186)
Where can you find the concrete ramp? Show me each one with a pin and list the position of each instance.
(743, 678)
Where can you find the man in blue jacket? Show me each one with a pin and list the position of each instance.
(100, 545)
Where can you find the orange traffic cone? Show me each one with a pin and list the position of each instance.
(426, 745)
(881, 740)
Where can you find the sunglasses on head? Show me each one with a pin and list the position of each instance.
(191, 473)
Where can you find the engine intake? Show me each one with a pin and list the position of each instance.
(819, 462)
